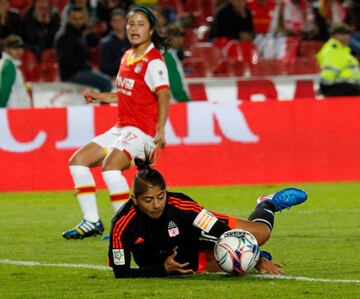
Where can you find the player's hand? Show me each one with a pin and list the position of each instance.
(172, 266)
(265, 266)
(159, 139)
(90, 96)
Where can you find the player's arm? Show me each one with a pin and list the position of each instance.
(119, 260)
(163, 96)
(120, 256)
(210, 224)
(156, 78)
(99, 97)
(200, 217)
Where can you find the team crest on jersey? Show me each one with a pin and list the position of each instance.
(173, 229)
(138, 68)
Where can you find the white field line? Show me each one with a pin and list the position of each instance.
(86, 266)
(294, 211)
(41, 264)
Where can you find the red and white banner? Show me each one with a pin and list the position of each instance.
(60, 94)
(208, 143)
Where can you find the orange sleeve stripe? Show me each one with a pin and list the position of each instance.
(184, 208)
(85, 189)
(121, 196)
(230, 220)
(125, 225)
(184, 204)
(120, 223)
(180, 202)
(119, 226)
(120, 229)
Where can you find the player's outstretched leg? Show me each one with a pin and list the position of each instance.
(283, 199)
(85, 229)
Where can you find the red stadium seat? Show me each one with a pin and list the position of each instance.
(60, 4)
(227, 67)
(303, 65)
(49, 55)
(207, 52)
(291, 48)
(241, 51)
(190, 38)
(20, 4)
(195, 67)
(309, 47)
(94, 57)
(271, 67)
(45, 72)
(28, 64)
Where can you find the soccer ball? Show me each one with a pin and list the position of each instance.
(236, 251)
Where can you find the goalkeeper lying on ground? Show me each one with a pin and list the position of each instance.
(166, 233)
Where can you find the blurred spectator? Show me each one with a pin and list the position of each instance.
(13, 91)
(340, 74)
(40, 23)
(262, 12)
(294, 18)
(104, 9)
(10, 21)
(178, 87)
(233, 20)
(72, 54)
(164, 17)
(90, 17)
(328, 14)
(114, 45)
(333, 11)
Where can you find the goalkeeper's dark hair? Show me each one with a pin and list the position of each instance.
(161, 43)
(147, 176)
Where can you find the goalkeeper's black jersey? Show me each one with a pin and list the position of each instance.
(184, 225)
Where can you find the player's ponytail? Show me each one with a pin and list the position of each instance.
(147, 176)
(160, 42)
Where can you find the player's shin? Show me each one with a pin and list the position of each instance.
(85, 191)
(117, 186)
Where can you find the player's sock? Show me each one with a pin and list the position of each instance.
(85, 191)
(117, 186)
(264, 213)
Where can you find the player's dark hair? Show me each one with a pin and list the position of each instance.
(147, 176)
(160, 42)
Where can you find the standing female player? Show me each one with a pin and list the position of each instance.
(143, 99)
(169, 233)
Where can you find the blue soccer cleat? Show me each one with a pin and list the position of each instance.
(85, 229)
(284, 199)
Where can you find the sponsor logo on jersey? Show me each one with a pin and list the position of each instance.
(125, 85)
(118, 256)
(173, 229)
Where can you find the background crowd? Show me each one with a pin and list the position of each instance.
(82, 41)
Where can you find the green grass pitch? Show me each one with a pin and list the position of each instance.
(319, 239)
